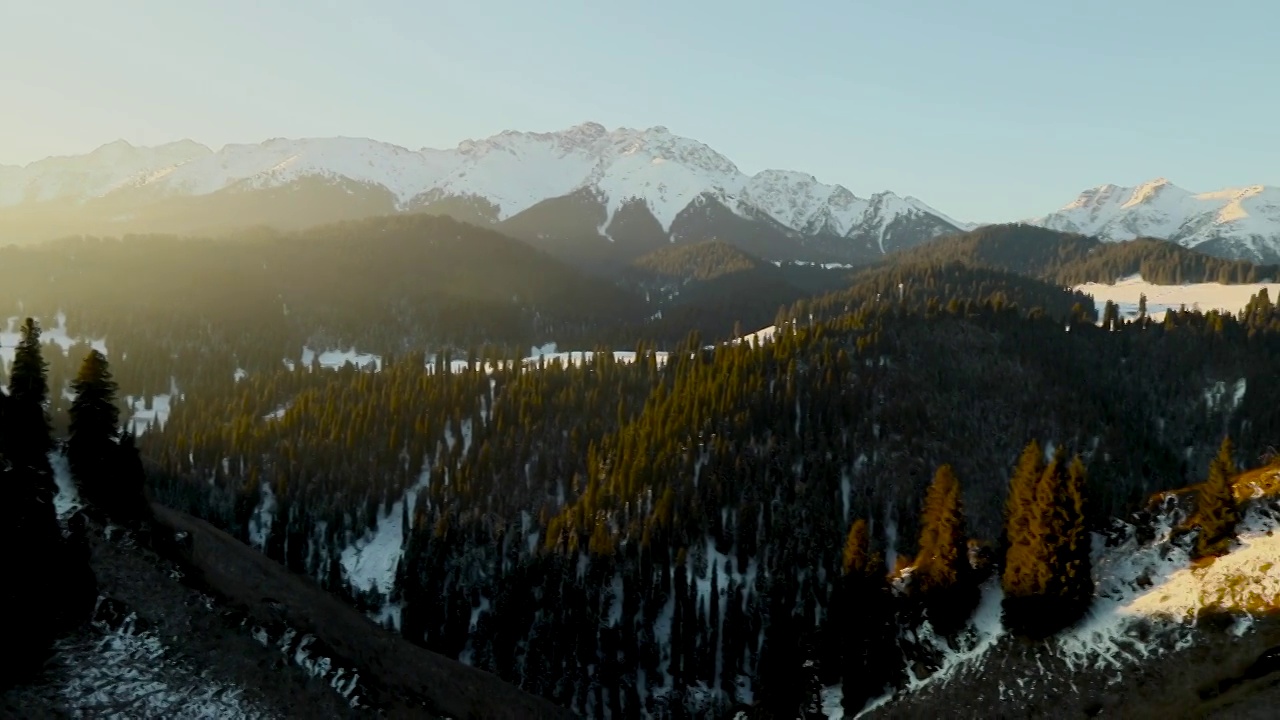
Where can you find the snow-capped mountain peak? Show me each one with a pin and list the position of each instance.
(82, 177)
(509, 173)
(1237, 222)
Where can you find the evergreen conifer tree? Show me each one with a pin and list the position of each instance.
(1020, 502)
(1028, 560)
(1047, 576)
(1071, 582)
(942, 577)
(28, 435)
(1217, 514)
(49, 585)
(867, 623)
(106, 465)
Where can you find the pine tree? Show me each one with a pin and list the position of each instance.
(857, 550)
(866, 623)
(94, 429)
(1047, 578)
(942, 577)
(1217, 513)
(1071, 584)
(1020, 503)
(28, 433)
(1028, 560)
(106, 466)
(49, 586)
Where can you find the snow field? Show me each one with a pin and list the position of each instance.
(1163, 298)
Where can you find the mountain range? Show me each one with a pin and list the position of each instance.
(588, 194)
(1239, 223)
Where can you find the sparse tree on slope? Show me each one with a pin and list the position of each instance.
(1216, 512)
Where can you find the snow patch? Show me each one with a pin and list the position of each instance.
(125, 668)
(370, 562)
(1126, 293)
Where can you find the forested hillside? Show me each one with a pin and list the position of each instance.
(717, 289)
(662, 532)
(382, 284)
(688, 508)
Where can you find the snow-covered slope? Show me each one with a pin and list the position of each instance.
(1127, 293)
(1242, 222)
(510, 172)
(1155, 611)
(82, 177)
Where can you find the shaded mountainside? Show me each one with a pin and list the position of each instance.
(931, 285)
(1071, 259)
(718, 289)
(382, 284)
(208, 626)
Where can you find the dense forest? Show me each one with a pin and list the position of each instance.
(674, 536)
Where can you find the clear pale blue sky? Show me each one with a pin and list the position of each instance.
(986, 109)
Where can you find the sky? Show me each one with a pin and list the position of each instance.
(988, 110)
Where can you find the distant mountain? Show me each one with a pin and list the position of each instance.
(429, 281)
(607, 196)
(1238, 223)
(1071, 259)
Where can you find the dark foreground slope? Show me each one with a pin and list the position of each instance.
(213, 628)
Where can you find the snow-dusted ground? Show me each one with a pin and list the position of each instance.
(67, 501)
(142, 418)
(759, 337)
(139, 418)
(370, 562)
(333, 359)
(130, 674)
(1147, 600)
(1162, 298)
(56, 335)
(824, 266)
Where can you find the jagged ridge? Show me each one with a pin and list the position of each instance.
(508, 173)
(1241, 222)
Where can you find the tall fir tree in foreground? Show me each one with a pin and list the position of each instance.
(106, 466)
(49, 586)
(1070, 588)
(1217, 513)
(942, 578)
(28, 433)
(1047, 578)
(1020, 503)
